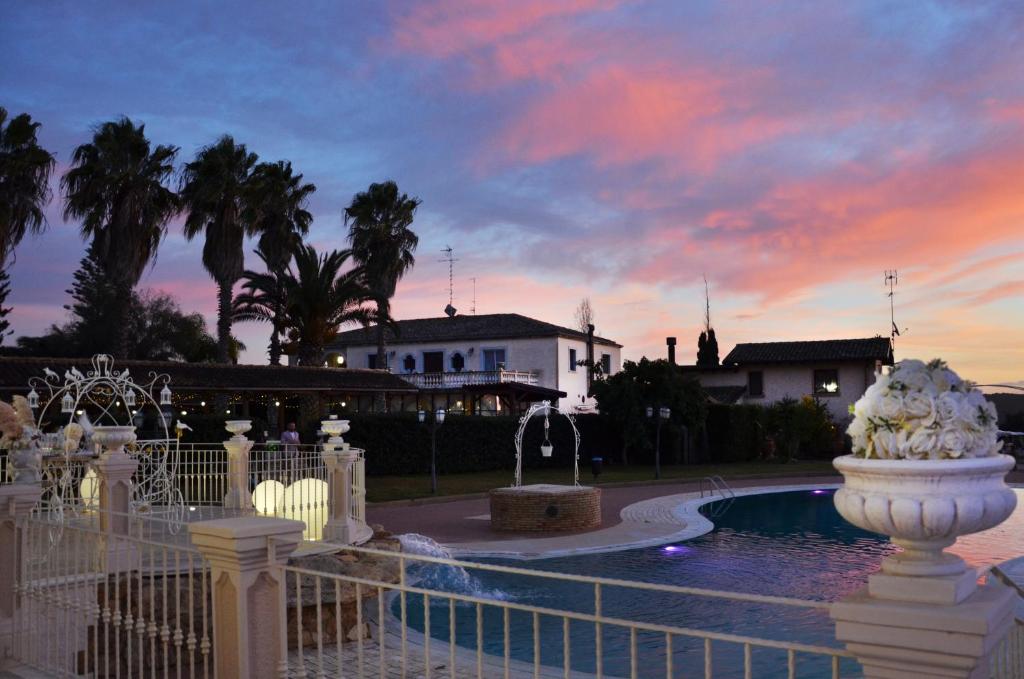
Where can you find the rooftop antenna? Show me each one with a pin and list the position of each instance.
(472, 309)
(891, 280)
(448, 257)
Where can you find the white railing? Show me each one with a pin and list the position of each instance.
(358, 509)
(448, 380)
(1007, 660)
(110, 605)
(467, 634)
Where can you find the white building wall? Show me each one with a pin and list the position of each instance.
(574, 382)
(796, 381)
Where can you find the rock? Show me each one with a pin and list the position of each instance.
(353, 633)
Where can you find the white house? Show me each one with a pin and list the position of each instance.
(487, 364)
(835, 371)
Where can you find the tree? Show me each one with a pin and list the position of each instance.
(584, 315)
(25, 169)
(318, 298)
(5, 289)
(707, 349)
(116, 187)
(625, 396)
(214, 189)
(382, 246)
(277, 212)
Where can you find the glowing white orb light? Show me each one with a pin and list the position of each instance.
(306, 501)
(89, 489)
(268, 496)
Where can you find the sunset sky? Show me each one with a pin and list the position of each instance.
(789, 151)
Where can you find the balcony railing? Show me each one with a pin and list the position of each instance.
(447, 380)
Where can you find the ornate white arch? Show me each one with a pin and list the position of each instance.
(546, 408)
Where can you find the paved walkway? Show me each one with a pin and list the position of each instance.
(632, 516)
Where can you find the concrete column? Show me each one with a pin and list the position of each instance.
(896, 639)
(238, 495)
(248, 592)
(114, 470)
(340, 526)
(16, 502)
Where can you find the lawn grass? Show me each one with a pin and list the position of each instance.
(384, 488)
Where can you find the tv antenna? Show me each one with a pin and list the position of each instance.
(450, 259)
(472, 309)
(892, 280)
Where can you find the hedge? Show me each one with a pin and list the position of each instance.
(783, 430)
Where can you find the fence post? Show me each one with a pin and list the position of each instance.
(248, 592)
(238, 496)
(114, 470)
(339, 459)
(16, 503)
(896, 639)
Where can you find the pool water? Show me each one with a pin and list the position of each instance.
(791, 544)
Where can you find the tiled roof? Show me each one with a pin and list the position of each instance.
(463, 328)
(867, 349)
(16, 371)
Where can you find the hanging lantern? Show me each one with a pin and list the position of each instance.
(546, 447)
(33, 399)
(67, 404)
(165, 396)
(129, 398)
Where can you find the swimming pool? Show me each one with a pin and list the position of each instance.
(791, 544)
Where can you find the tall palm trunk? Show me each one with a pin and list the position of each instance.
(275, 333)
(224, 321)
(122, 333)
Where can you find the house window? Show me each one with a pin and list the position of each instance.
(458, 362)
(433, 361)
(409, 363)
(494, 359)
(572, 360)
(826, 382)
(371, 361)
(606, 364)
(755, 383)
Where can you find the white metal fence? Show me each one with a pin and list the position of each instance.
(342, 625)
(98, 604)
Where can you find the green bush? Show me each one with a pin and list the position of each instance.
(781, 431)
(399, 444)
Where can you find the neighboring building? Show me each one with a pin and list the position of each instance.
(486, 364)
(835, 371)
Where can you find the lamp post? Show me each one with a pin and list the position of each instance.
(663, 415)
(435, 421)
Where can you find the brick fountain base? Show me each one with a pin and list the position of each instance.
(545, 508)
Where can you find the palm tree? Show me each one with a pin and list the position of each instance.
(25, 169)
(214, 189)
(116, 187)
(382, 245)
(277, 212)
(318, 298)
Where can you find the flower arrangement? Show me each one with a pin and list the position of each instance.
(921, 411)
(17, 424)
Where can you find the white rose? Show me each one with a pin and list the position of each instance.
(923, 443)
(955, 442)
(918, 406)
(890, 444)
(949, 407)
(890, 407)
(858, 432)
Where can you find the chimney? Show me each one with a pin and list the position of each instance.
(671, 342)
(590, 356)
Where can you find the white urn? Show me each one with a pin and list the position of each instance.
(113, 439)
(334, 427)
(924, 506)
(238, 428)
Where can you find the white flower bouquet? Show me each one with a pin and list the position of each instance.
(923, 411)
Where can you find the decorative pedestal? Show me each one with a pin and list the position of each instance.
(238, 446)
(904, 640)
(114, 471)
(545, 508)
(246, 555)
(339, 458)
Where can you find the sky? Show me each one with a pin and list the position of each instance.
(789, 152)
